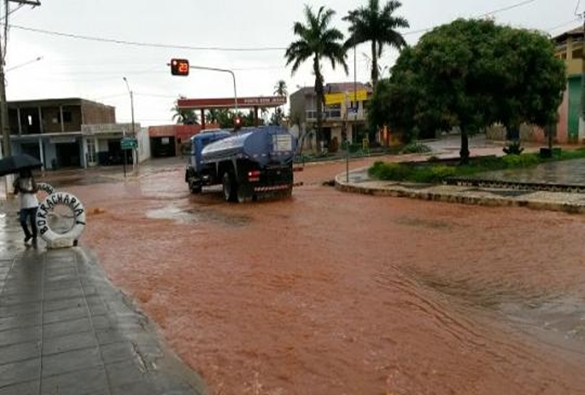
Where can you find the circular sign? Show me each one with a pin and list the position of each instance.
(47, 188)
(48, 206)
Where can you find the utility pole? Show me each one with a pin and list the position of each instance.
(582, 123)
(6, 147)
(4, 125)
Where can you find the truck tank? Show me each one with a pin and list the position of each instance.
(269, 144)
(199, 141)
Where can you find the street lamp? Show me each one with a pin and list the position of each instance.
(131, 104)
(133, 130)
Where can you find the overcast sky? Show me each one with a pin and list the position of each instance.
(94, 70)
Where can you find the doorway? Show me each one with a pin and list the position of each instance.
(68, 155)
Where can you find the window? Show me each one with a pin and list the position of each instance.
(67, 116)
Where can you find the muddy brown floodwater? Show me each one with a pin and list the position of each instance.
(333, 293)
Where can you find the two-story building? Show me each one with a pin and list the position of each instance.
(70, 133)
(344, 112)
(569, 48)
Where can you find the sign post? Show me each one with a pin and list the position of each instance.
(127, 143)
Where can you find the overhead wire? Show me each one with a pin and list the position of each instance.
(151, 45)
(221, 48)
(497, 11)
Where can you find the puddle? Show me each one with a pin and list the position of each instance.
(196, 215)
(561, 314)
(556, 319)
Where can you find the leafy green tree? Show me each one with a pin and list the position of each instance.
(470, 74)
(317, 40)
(377, 26)
(531, 76)
(186, 117)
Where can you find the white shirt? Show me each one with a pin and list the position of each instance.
(27, 200)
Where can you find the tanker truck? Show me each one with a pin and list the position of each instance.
(248, 163)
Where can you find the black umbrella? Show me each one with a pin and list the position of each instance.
(16, 163)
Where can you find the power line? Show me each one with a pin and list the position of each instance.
(219, 48)
(550, 29)
(144, 44)
(508, 8)
(497, 11)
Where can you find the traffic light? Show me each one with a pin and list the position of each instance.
(237, 122)
(180, 67)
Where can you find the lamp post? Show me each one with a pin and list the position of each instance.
(133, 129)
(131, 104)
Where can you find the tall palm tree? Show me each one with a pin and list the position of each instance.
(280, 89)
(317, 40)
(377, 26)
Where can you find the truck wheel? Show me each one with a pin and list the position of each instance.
(229, 187)
(245, 194)
(195, 187)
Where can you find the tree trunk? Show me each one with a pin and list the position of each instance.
(320, 97)
(464, 152)
(374, 64)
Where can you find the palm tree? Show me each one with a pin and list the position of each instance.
(317, 40)
(212, 115)
(186, 117)
(280, 89)
(378, 26)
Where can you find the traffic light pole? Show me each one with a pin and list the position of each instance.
(223, 71)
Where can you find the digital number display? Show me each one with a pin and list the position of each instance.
(180, 67)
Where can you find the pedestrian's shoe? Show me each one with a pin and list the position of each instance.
(27, 238)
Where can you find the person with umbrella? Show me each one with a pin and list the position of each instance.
(26, 186)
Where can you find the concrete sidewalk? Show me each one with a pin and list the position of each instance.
(64, 329)
(513, 195)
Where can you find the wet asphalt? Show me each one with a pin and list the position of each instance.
(65, 329)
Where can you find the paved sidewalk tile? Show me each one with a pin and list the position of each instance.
(64, 329)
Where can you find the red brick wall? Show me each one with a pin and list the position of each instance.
(183, 132)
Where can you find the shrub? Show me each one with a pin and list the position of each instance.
(514, 148)
(416, 148)
(526, 160)
(439, 173)
(388, 171)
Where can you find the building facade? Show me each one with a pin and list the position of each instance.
(67, 133)
(173, 140)
(344, 113)
(569, 48)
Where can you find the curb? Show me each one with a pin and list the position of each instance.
(398, 190)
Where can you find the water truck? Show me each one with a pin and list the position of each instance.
(248, 163)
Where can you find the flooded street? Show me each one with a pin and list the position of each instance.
(334, 293)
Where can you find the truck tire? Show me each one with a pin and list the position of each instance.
(229, 187)
(245, 193)
(194, 186)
